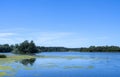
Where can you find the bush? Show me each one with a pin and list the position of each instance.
(3, 56)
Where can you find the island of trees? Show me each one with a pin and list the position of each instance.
(27, 47)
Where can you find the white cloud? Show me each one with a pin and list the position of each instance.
(6, 37)
(40, 38)
(6, 34)
(67, 39)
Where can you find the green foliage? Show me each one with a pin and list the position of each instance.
(52, 49)
(101, 49)
(26, 48)
(3, 56)
(5, 48)
(82, 49)
(32, 47)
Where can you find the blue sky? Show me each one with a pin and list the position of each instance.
(69, 23)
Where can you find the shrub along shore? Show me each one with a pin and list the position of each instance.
(27, 47)
(3, 56)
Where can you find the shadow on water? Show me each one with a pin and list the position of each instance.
(27, 62)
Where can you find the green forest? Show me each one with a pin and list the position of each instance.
(27, 47)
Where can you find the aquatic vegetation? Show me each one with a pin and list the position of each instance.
(70, 67)
(72, 57)
(79, 67)
(5, 68)
(3, 74)
(67, 65)
(48, 65)
(28, 68)
(7, 71)
(59, 57)
(90, 67)
(16, 58)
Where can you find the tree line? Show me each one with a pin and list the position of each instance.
(101, 49)
(5, 48)
(27, 47)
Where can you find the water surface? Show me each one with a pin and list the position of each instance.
(64, 64)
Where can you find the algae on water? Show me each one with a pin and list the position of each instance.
(3, 74)
(5, 68)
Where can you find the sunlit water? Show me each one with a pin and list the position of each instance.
(65, 64)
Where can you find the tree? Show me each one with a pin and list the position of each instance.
(5, 48)
(26, 47)
(32, 47)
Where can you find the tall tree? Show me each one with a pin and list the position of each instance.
(26, 47)
(32, 47)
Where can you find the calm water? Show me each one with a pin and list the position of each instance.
(66, 64)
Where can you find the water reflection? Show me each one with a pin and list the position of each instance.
(64, 65)
(27, 62)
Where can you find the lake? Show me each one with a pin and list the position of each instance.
(63, 64)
